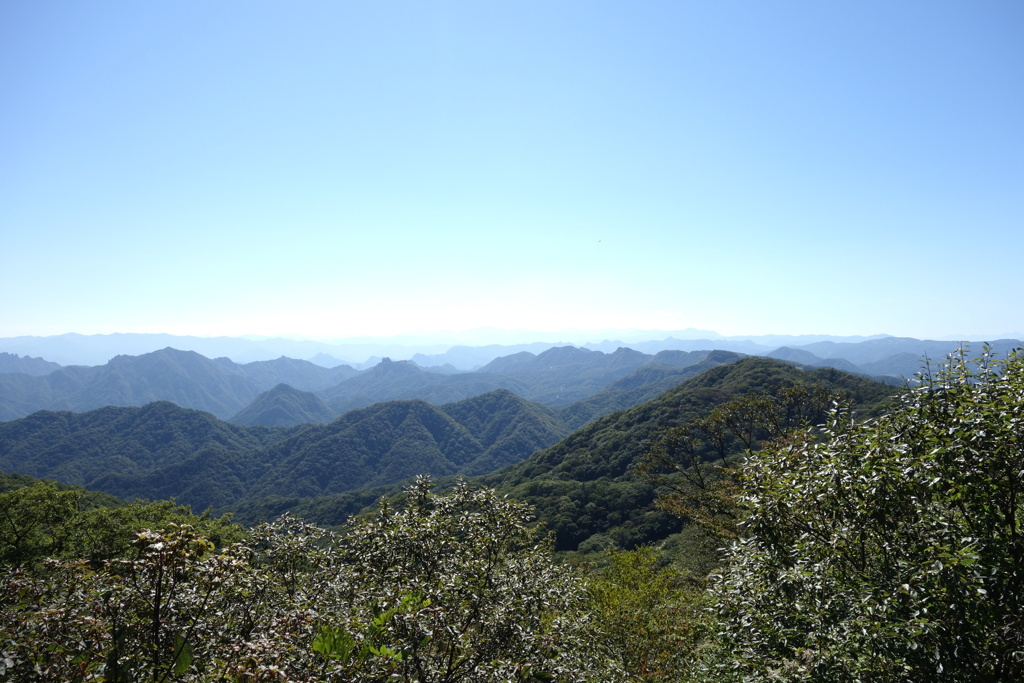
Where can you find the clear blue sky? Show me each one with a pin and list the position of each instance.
(338, 169)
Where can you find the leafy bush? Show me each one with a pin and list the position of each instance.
(650, 615)
(450, 588)
(891, 550)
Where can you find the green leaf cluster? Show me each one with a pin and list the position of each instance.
(456, 587)
(41, 519)
(892, 549)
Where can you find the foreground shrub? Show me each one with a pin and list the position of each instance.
(891, 550)
(450, 588)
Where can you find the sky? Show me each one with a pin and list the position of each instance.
(329, 170)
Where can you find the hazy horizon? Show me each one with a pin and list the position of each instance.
(497, 336)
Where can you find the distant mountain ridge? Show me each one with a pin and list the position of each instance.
(97, 349)
(559, 377)
(186, 378)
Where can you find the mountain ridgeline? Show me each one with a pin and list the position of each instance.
(558, 377)
(251, 394)
(217, 386)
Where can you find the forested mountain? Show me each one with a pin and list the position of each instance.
(507, 426)
(668, 369)
(161, 450)
(284, 406)
(557, 378)
(396, 440)
(586, 488)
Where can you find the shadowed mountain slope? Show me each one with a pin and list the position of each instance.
(37, 367)
(161, 450)
(115, 449)
(284, 406)
(217, 386)
(508, 428)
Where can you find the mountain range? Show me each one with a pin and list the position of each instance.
(581, 481)
(428, 352)
(562, 428)
(559, 377)
(252, 394)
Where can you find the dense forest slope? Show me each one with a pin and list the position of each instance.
(586, 488)
(666, 370)
(285, 406)
(161, 450)
(156, 451)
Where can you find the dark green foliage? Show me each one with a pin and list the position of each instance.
(579, 485)
(42, 519)
(450, 588)
(161, 450)
(386, 443)
(329, 511)
(284, 406)
(691, 462)
(126, 451)
(398, 440)
(892, 549)
(507, 426)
